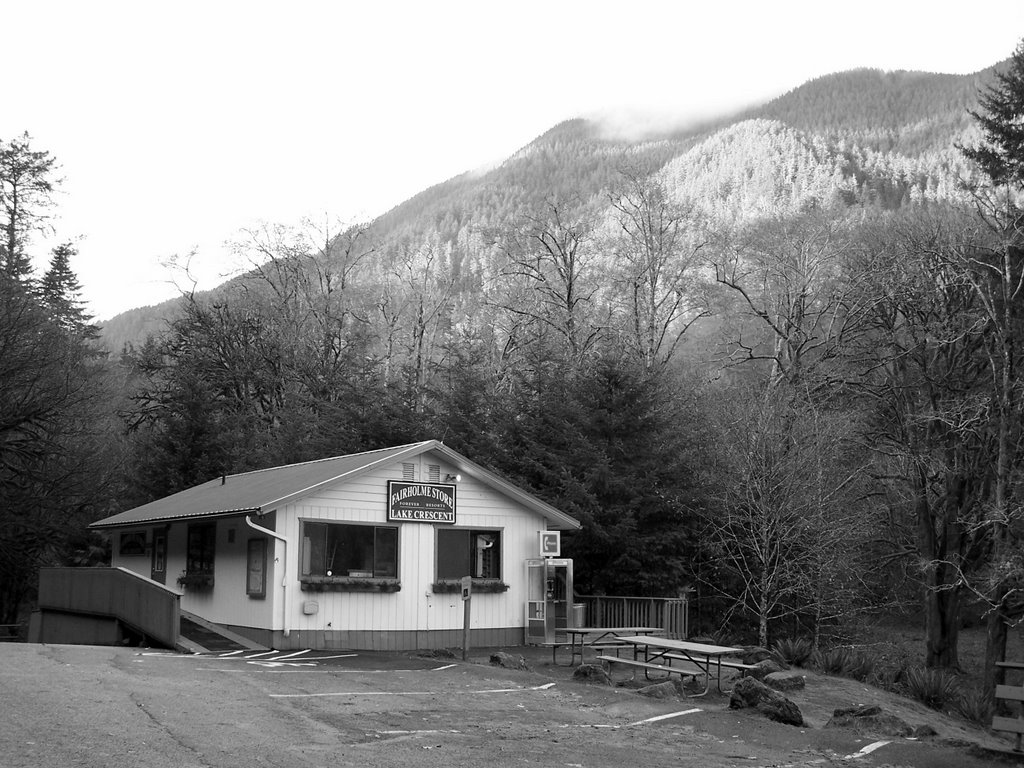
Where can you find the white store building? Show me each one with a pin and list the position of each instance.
(361, 551)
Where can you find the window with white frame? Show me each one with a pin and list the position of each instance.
(465, 552)
(352, 550)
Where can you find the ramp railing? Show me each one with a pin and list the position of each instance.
(142, 604)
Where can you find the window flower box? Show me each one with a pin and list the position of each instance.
(197, 581)
(348, 584)
(480, 586)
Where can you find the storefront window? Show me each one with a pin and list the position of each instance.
(462, 552)
(358, 551)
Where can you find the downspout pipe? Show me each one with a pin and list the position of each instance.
(284, 569)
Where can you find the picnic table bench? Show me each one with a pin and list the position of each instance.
(705, 659)
(647, 666)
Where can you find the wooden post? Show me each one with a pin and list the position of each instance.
(467, 599)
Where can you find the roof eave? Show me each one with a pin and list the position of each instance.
(172, 518)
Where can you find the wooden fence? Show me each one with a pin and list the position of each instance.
(669, 613)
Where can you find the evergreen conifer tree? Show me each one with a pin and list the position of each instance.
(60, 293)
(1001, 119)
(27, 185)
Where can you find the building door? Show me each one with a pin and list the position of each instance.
(158, 572)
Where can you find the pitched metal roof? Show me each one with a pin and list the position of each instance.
(264, 490)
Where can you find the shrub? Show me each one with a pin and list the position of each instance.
(794, 652)
(831, 661)
(934, 688)
(975, 706)
(858, 665)
(844, 662)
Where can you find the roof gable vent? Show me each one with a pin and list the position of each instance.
(408, 470)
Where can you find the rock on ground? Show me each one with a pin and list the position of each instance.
(666, 690)
(507, 660)
(755, 653)
(876, 721)
(784, 681)
(764, 668)
(592, 673)
(753, 693)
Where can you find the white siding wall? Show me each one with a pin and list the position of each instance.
(227, 602)
(415, 606)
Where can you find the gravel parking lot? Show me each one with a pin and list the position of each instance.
(100, 707)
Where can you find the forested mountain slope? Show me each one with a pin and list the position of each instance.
(863, 135)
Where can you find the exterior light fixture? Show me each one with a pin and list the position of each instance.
(450, 478)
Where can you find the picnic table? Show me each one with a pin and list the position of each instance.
(603, 637)
(700, 659)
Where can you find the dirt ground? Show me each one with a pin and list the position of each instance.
(72, 706)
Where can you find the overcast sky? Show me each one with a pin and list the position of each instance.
(177, 124)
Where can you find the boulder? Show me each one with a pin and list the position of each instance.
(784, 681)
(755, 653)
(507, 660)
(592, 673)
(873, 720)
(764, 668)
(753, 693)
(665, 690)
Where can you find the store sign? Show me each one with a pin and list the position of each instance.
(421, 502)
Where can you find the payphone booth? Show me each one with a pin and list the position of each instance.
(549, 594)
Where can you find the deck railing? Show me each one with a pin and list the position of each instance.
(143, 604)
(669, 613)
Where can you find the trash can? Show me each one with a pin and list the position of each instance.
(579, 614)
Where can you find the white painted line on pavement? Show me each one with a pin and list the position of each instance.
(867, 750)
(291, 655)
(230, 653)
(638, 722)
(666, 717)
(401, 693)
(257, 655)
(441, 669)
(408, 733)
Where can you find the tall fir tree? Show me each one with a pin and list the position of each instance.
(27, 185)
(60, 293)
(1001, 119)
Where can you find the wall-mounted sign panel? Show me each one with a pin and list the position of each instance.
(550, 543)
(421, 502)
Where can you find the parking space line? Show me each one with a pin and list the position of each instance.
(409, 733)
(401, 693)
(292, 655)
(866, 750)
(666, 717)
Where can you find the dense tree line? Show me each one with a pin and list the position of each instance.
(55, 459)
